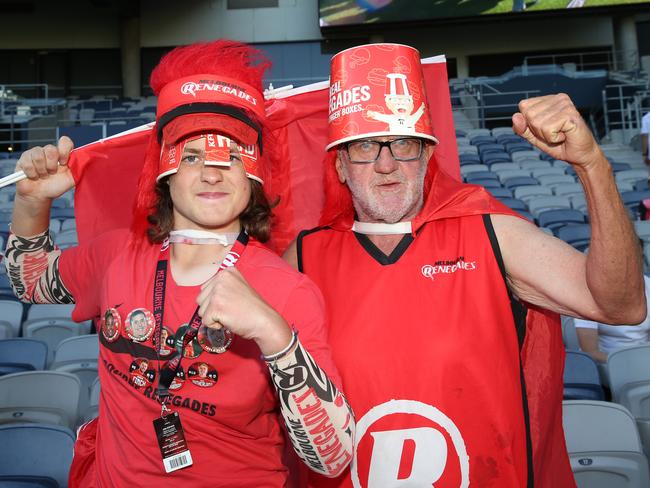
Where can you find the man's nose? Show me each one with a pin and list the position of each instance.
(385, 162)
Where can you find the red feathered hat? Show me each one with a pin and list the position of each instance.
(212, 87)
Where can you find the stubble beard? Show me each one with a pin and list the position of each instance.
(370, 206)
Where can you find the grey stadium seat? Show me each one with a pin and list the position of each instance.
(528, 192)
(93, 403)
(12, 311)
(79, 355)
(604, 445)
(21, 354)
(35, 456)
(540, 204)
(52, 331)
(48, 397)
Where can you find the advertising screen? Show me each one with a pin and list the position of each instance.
(355, 12)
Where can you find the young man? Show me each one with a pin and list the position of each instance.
(424, 280)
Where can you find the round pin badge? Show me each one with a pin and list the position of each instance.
(179, 380)
(216, 341)
(202, 374)
(142, 372)
(139, 324)
(191, 350)
(167, 341)
(111, 325)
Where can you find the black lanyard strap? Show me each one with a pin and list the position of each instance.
(168, 373)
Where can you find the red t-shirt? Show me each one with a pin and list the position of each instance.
(227, 404)
(428, 350)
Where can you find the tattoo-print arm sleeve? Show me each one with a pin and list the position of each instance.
(33, 268)
(319, 420)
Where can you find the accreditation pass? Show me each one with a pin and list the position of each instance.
(172, 443)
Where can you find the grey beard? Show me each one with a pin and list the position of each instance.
(365, 203)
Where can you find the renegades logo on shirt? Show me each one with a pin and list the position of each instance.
(408, 443)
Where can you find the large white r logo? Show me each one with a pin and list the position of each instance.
(387, 456)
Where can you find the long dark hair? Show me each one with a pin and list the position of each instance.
(255, 219)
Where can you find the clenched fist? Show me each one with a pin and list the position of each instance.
(46, 168)
(553, 124)
(228, 300)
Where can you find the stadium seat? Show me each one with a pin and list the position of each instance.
(67, 238)
(93, 403)
(499, 131)
(525, 193)
(567, 189)
(500, 192)
(495, 157)
(514, 204)
(35, 456)
(642, 228)
(513, 147)
(629, 370)
(52, 331)
(49, 397)
(541, 204)
(616, 167)
(20, 354)
(578, 235)
(581, 378)
(469, 168)
(79, 355)
(513, 183)
(604, 445)
(488, 148)
(633, 199)
(464, 150)
(50, 310)
(539, 172)
(481, 175)
(641, 185)
(631, 175)
(504, 166)
(557, 218)
(62, 213)
(569, 334)
(521, 155)
(551, 180)
(466, 158)
(532, 164)
(506, 174)
(486, 182)
(12, 311)
(579, 202)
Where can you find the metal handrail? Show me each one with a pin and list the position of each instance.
(614, 59)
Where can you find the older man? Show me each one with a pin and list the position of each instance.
(425, 279)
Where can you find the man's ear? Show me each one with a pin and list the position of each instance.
(339, 167)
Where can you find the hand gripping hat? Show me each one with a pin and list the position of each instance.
(377, 90)
(211, 90)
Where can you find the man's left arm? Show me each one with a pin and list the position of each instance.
(606, 285)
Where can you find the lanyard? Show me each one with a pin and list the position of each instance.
(168, 373)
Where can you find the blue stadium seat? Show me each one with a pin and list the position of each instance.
(514, 204)
(500, 192)
(632, 200)
(19, 354)
(581, 378)
(557, 218)
(619, 166)
(35, 455)
(479, 140)
(486, 182)
(491, 148)
(495, 157)
(512, 183)
(62, 213)
(578, 235)
(480, 175)
(469, 159)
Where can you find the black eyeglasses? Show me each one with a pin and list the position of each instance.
(402, 149)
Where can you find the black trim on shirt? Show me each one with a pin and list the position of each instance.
(378, 255)
(299, 238)
(519, 312)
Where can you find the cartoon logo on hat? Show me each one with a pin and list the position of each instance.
(400, 102)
